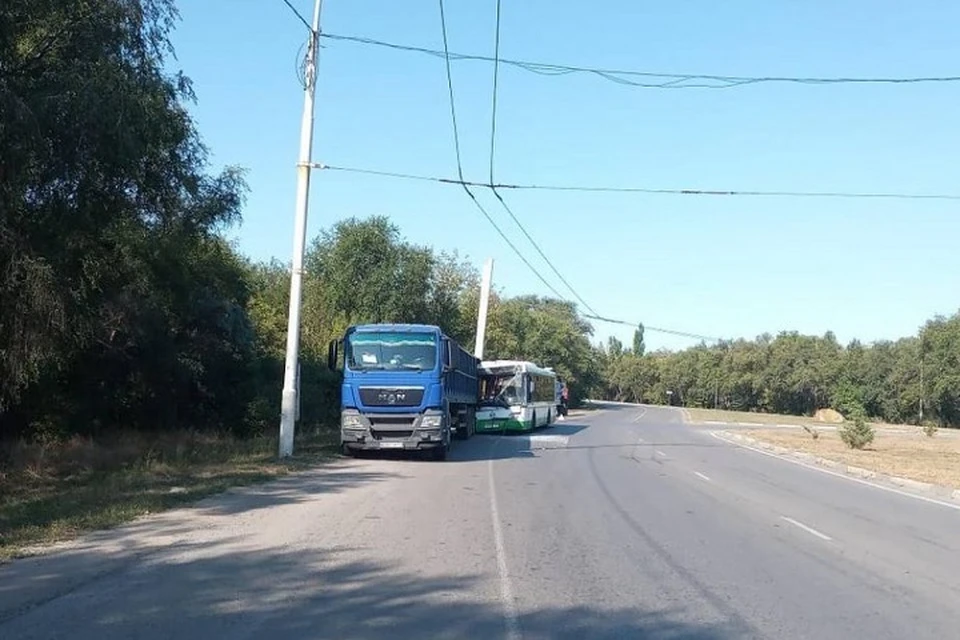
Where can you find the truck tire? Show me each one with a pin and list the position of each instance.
(470, 426)
(460, 433)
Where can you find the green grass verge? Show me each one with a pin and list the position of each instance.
(55, 492)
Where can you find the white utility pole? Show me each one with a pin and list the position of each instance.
(290, 398)
(484, 305)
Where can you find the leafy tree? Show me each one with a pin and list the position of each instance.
(639, 348)
(548, 332)
(940, 340)
(122, 305)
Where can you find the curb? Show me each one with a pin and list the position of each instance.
(915, 486)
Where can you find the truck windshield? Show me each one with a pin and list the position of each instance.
(391, 351)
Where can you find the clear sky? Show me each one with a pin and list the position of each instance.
(712, 265)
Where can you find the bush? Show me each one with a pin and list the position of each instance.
(856, 432)
(930, 428)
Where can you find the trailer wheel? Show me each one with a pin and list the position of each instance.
(469, 424)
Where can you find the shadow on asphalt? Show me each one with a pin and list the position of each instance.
(292, 489)
(493, 446)
(217, 592)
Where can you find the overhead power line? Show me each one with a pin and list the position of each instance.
(298, 14)
(646, 190)
(465, 184)
(646, 79)
(646, 327)
(492, 186)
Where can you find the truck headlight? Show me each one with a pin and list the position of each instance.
(431, 421)
(350, 421)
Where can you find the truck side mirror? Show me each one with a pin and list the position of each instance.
(447, 355)
(333, 352)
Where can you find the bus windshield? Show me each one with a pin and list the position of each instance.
(394, 351)
(504, 389)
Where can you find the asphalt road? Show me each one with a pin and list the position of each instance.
(625, 524)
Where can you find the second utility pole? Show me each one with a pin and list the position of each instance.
(289, 399)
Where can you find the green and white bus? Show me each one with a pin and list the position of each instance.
(515, 395)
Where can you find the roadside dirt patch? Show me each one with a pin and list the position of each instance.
(907, 455)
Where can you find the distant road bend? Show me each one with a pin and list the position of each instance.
(626, 523)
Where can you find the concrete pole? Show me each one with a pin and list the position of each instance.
(484, 306)
(289, 399)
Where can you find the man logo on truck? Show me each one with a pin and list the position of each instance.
(392, 397)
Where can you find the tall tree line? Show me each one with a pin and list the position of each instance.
(798, 374)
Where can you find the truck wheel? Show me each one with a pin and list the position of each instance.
(439, 454)
(460, 433)
(470, 428)
(347, 451)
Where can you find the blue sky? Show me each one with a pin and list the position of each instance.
(717, 266)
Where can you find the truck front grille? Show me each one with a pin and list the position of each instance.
(391, 396)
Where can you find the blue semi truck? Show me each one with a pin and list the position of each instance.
(406, 387)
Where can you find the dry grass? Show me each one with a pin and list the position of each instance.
(53, 492)
(719, 415)
(908, 455)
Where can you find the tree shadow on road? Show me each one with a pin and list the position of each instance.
(507, 445)
(221, 590)
(293, 489)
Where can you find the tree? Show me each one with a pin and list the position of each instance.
(121, 303)
(548, 332)
(940, 345)
(638, 346)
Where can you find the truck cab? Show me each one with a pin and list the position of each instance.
(405, 387)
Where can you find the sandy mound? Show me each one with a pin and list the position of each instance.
(828, 415)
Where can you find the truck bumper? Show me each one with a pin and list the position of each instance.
(361, 442)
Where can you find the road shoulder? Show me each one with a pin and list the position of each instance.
(906, 486)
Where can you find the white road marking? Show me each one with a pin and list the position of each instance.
(640, 415)
(639, 440)
(510, 617)
(812, 467)
(714, 422)
(660, 453)
(545, 439)
(701, 476)
(809, 530)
